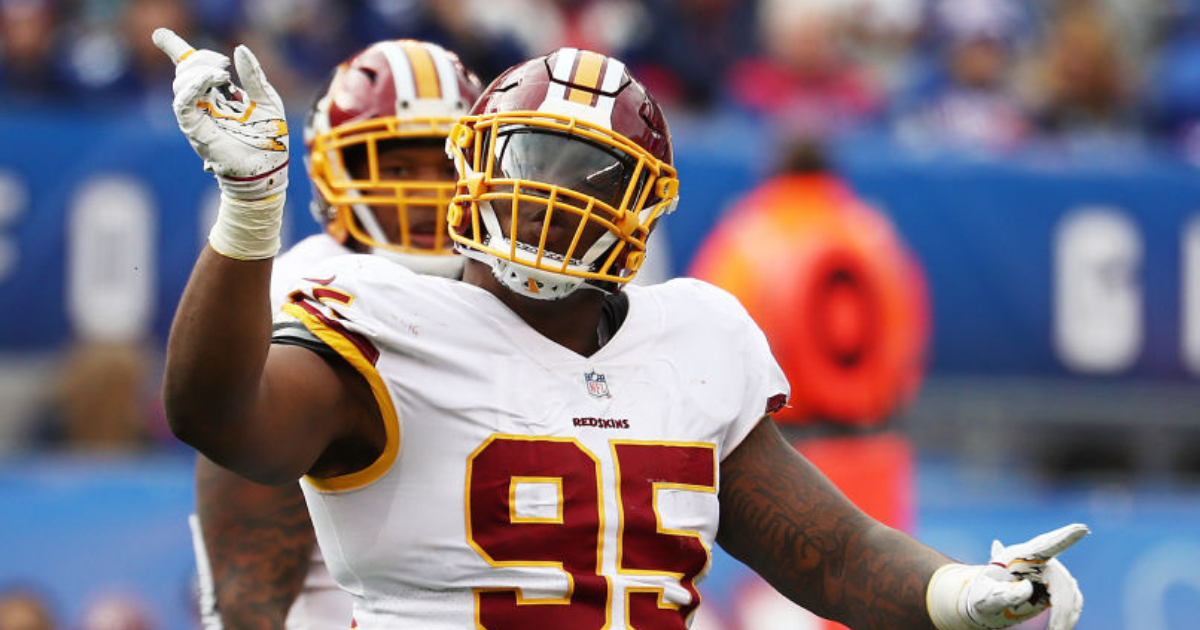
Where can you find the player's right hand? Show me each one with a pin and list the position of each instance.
(241, 134)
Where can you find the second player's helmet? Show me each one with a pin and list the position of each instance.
(564, 166)
(396, 91)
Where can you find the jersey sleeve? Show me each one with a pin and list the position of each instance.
(766, 388)
(332, 310)
(338, 300)
(759, 387)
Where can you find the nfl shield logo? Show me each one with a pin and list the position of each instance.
(596, 385)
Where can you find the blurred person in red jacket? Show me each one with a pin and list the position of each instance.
(842, 300)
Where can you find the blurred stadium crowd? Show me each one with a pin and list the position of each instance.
(991, 75)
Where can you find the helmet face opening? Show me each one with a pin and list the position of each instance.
(375, 167)
(556, 194)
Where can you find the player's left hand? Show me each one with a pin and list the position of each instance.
(1018, 582)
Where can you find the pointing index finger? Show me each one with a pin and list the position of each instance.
(1053, 543)
(172, 44)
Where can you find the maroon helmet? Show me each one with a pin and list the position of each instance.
(396, 90)
(564, 165)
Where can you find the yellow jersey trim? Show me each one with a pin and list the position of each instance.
(391, 421)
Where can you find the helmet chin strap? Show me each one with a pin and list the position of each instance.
(448, 266)
(444, 266)
(524, 279)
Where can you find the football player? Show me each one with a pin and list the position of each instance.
(376, 138)
(539, 445)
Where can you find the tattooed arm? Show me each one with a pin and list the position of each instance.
(784, 519)
(259, 541)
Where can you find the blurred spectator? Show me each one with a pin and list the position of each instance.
(692, 46)
(24, 609)
(883, 35)
(116, 612)
(101, 399)
(299, 41)
(968, 101)
(449, 23)
(611, 27)
(109, 55)
(1081, 85)
(1174, 89)
(806, 83)
(29, 35)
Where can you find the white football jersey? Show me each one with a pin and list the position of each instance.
(524, 485)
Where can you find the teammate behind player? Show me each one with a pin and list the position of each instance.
(376, 137)
(534, 446)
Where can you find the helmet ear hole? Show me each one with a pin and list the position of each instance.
(336, 226)
(634, 260)
(462, 136)
(666, 187)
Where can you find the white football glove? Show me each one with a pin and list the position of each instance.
(1018, 583)
(242, 136)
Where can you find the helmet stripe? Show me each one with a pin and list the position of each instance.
(564, 65)
(587, 72)
(424, 72)
(614, 72)
(402, 74)
(447, 76)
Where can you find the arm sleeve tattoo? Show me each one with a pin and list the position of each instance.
(785, 520)
(259, 541)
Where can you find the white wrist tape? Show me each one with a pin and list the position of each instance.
(248, 230)
(943, 597)
(257, 187)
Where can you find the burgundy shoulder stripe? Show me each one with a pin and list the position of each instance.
(369, 352)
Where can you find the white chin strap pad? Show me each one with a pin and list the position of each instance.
(524, 279)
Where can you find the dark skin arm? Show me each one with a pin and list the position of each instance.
(259, 541)
(786, 521)
(270, 413)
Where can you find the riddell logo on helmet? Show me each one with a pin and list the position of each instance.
(602, 423)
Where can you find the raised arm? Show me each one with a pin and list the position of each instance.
(784, 519)
(269, 413)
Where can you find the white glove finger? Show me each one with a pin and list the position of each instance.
(1066, 600)
(191, 90)
(209, 58)
(1050, 544)
(172, 44)
(193, 87)
(254, 80)
(1004, 595)
(195, 84)
(1042, 547)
